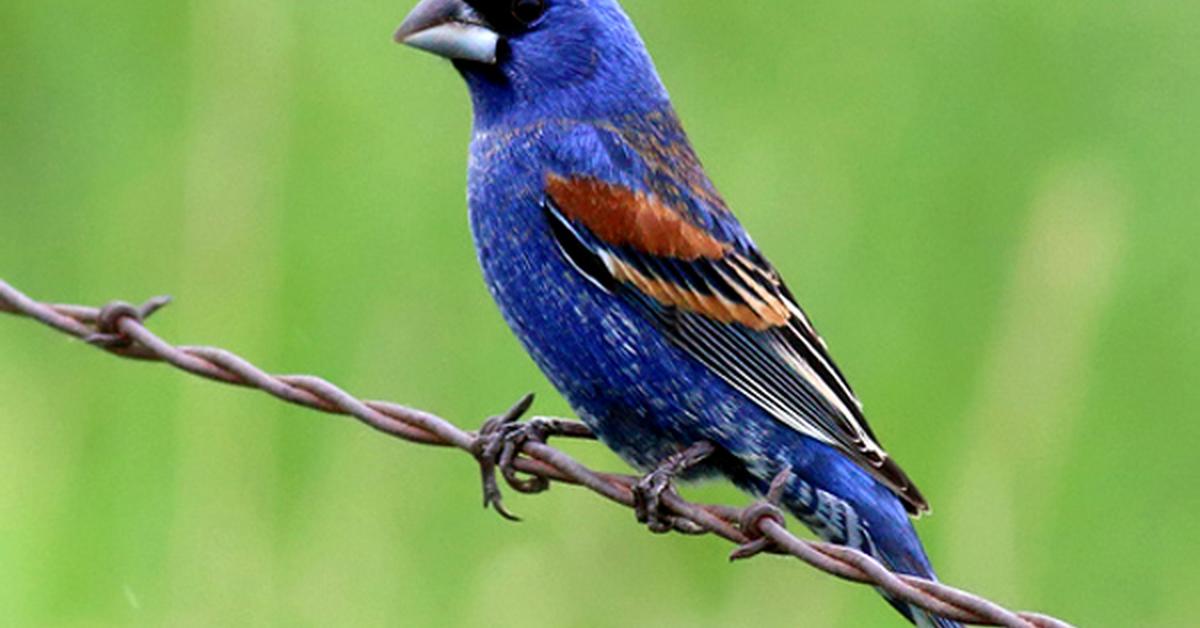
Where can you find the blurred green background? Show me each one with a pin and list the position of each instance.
(989, 208)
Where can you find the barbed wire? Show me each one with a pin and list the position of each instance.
(512, 448)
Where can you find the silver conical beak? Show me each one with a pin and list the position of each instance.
(450, 29)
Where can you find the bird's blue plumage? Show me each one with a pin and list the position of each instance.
(645, 302)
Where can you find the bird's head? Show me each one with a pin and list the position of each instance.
(530, 60)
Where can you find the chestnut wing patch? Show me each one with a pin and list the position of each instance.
(726, 307)
(622, 217)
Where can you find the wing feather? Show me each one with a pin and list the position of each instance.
(725, 306)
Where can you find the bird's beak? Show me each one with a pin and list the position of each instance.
(450, 29)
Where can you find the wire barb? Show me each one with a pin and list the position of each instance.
(750, 523)
(512, 447)
(108, 332)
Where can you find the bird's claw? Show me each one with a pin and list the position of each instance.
(499, 443)
(753, 515)
(496, 447)
(647, 501)
(648, 492)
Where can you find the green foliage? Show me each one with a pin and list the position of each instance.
(989, 208)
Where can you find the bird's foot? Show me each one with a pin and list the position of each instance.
(500, 442)
(753, 516)
(647, 493)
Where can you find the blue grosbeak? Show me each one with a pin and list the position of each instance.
(620, 268)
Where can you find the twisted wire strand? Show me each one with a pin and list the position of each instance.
(119, 329)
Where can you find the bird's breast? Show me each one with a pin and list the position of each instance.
(617, 371)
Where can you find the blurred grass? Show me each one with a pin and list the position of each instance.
(989, 209)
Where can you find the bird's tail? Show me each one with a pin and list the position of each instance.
(880, 529)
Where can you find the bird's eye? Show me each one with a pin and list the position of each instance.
(528, 11)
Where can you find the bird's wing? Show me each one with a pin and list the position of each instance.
(721, 301)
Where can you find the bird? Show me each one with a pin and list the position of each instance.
(626, 277)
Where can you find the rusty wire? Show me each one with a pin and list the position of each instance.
(119, 329)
